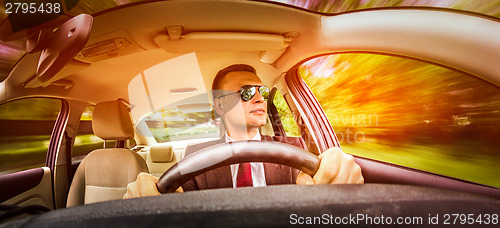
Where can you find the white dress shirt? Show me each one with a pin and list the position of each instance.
(258, 175)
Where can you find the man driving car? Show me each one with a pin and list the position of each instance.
(240, 98)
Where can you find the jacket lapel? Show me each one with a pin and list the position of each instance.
(279, 174)
(216, 178)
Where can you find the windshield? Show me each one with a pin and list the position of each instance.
(11, 52)
(168, 125)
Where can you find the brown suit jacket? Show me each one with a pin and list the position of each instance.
(221, 177)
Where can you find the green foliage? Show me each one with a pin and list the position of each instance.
(31, 109)
(366, 90)
(402, 104)
(87, 113)
(286, 116)
(22, 152)
(478, 168)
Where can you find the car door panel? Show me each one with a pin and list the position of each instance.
(29, 187)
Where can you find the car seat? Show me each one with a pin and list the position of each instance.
(161, 157)
(105, 173)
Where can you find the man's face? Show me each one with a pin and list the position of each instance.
(238, 113)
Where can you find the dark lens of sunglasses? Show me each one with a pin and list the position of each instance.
(264, 91)
(247, 92)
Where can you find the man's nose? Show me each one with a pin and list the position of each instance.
(258, 98)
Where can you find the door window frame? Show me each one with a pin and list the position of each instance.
(317, 122)
(57, 132)
(57, 135)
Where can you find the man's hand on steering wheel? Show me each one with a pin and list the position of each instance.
(336, 167)
(144, 185)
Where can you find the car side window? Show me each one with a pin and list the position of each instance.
(27, 125)
(86, 141)
(410, 113)
(287, 120)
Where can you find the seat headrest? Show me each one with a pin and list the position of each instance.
(111, 121)
(161, 153)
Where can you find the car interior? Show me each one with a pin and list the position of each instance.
(129, 63)
(105, 173)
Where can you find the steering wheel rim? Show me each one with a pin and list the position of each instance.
(232, 153)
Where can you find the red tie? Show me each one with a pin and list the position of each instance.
(244, 177)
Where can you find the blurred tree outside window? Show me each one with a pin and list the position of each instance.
(27, 125)
(287, 120)
(410, 113)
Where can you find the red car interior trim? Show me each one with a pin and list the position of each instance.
(16, 183)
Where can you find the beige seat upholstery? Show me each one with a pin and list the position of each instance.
(161, 157)
(105, 173)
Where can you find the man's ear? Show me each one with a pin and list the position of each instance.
(218, 107)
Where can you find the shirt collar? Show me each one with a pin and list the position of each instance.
(229, 139)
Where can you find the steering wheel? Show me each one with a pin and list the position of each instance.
(232, 153)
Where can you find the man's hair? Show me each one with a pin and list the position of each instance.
(219, 78)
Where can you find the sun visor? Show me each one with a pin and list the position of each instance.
(221, 41)
(64, 45)
(71, 67)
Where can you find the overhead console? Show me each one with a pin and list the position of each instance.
(109, 45)
(270, 46)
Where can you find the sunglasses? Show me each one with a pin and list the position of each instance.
(247, 92)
